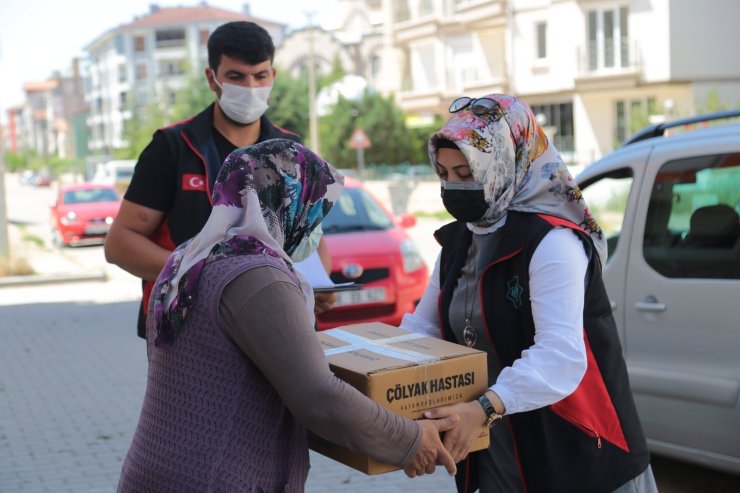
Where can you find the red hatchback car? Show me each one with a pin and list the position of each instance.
(83, 212)
(368, 245)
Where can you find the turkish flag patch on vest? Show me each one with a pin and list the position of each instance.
(193, 182)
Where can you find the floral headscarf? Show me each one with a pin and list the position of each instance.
(266, 199)
(519, 168)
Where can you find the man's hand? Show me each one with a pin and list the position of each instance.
(431, 451)
(323, 302)
(458, 439)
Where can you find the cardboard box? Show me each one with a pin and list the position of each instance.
(404, 372)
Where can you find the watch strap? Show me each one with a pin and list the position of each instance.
(491, 415)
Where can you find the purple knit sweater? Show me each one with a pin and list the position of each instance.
(210, 421)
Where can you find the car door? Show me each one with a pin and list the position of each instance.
(682, 302)
(612, 194)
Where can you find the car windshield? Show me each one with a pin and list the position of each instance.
(85, 196)
(355, 210)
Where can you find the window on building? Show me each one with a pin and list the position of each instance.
(170, 38)
(374, 65)
(541, 40)
(426, 7)
(141, 72)
(120, 45)
(122, 100)
(560, 118)
(461, 4)
(631, 116)
(401, 11)
(608, 38)
(171, 67)
(122, 73)
(203, 37)
(139, 43)
(465, 60)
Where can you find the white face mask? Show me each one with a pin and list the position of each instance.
(243, 104)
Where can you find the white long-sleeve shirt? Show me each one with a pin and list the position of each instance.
(554, 365)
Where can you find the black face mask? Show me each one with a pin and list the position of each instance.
(467, 205)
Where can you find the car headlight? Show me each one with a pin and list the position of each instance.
(68, 218)
(411, 257)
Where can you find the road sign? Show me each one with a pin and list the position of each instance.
(359, 140)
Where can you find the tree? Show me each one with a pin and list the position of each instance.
(139, 128)
(384, 123)
(194, 97)
(289, 103)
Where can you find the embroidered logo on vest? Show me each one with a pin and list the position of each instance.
(514, 292)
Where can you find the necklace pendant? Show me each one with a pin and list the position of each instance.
(470, 335)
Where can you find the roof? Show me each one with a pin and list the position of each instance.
(46, 85)
(160, 16)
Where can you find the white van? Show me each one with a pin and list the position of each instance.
(116, 172)
(669, 205)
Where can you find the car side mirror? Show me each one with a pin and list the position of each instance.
(406, 220)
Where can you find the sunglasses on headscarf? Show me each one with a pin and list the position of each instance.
(478, 106)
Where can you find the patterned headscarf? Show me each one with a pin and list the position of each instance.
(266, 199)
(509, 153)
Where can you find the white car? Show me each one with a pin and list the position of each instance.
(669, 205)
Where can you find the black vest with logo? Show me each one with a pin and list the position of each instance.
(193, 148)
(591, 441)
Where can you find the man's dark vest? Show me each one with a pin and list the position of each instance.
(591, 441)
(193, 148)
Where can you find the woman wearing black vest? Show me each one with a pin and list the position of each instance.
(519, 276)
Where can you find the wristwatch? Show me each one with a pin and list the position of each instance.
(491, 415)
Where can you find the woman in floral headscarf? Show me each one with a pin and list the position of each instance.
(519, 276)
(236, 372)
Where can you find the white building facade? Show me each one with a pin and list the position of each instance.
(148, 61)
(593, 70)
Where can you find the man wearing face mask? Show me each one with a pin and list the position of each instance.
(169, 198)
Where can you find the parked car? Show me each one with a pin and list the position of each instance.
(368, 245)
(83, 213)
(669, 207)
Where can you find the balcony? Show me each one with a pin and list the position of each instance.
(608, 67)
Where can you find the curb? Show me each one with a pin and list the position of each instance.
(32, 280)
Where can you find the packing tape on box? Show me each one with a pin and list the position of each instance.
(380, 346)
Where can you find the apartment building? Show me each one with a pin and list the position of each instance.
(148, 60)
(44, 123)
(593, 70)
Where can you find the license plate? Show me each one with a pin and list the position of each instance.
(360, 297)
(97, 230)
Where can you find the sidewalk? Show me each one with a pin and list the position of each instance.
(49, 264)
(73, 375)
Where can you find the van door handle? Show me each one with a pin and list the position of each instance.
(650, 304)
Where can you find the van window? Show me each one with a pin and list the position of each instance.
(693, 223)
(607, 197)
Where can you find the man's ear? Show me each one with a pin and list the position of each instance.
(211, 77)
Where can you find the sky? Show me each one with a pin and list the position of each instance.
(38, 37)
